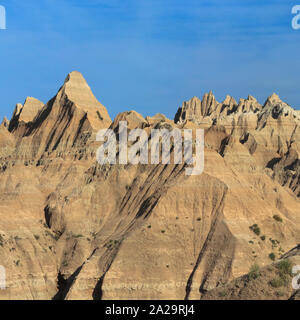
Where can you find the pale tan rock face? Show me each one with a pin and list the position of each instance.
(30, 109)
(134, 120)
(72, 229)
(77, 90)
(7, 141)
(69, 119)
(5, 123)
(190, 110)
(24, 114)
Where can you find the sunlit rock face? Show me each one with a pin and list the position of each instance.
(73, 229)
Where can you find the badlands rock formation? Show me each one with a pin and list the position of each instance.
(73, 229)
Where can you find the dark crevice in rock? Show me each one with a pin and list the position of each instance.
(97, 293)
(64, 285)
(273, 162)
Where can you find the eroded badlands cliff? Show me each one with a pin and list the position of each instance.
(73, 229)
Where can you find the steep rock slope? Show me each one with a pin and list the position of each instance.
(73, 229)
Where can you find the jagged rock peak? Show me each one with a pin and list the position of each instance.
(249, 105)
(208, 104)
(25, 113)
(229, 100)
(76, 77)
(76, 82)
(66, 121)
(275, 101)
(274, 98)
(275, 108)
(251, 98)
(196, 110)
(17, 110)
(190, 110)
(30, 109)
(78, 91)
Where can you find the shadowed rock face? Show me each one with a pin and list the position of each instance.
(72, 229)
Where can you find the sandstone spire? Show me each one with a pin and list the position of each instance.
(210, 108)
(229, 100)
(190, 110)
(274, 98)
(208, 104)
(248, 105)
(25, 113)
(276, 105)
(68, 119)
(77, 90)
(30, 109)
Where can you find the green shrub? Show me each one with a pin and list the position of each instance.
(279, 294)
(284, 267)
(112, 244)
(77, 236)
(255, 228)
(275, 243)
(272, 256)
(254, 272)
(263, 238)
(223, 294)
(277, 218)
(277, 282)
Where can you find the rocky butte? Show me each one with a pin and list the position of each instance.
(71, 228)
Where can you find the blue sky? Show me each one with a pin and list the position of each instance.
(149, 55)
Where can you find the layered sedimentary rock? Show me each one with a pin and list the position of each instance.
(24, 114)
(71, 228)
(69, 119)
(198, 111)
